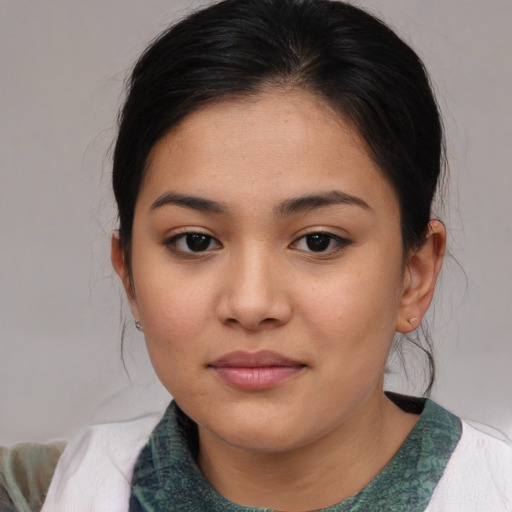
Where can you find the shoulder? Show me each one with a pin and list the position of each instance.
(25, 473)
(94, 472)
(478, 476)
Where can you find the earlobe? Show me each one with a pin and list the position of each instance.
(422, 269)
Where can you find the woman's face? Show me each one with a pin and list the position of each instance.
(267, 270)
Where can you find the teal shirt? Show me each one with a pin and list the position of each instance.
(166, 477)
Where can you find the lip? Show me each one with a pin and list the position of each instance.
(255, 370)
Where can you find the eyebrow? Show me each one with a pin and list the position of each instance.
(195, 203)
(286, 208)
(312, 202)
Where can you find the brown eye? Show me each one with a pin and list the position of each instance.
(321, 243)
(197, 242)
(318, 242)
(193, 243)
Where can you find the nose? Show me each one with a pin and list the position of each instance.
(254, 293)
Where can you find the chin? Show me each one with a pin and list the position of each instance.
(264, 441)
(261, 431)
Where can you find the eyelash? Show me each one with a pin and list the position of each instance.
(172, 243)
(340, 242)
(321, 237)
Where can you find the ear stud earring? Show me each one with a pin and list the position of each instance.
(138, 326)
(413, 320)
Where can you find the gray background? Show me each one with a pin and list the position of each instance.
(62, 65)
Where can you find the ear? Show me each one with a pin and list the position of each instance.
(117, 256)
(422, 268)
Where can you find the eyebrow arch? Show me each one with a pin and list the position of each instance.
(195, 203)
(314, 201)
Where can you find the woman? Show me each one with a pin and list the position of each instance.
(274, 172)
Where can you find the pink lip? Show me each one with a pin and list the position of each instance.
(255, 371)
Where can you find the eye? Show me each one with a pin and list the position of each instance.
(192, 243)
(321, 242)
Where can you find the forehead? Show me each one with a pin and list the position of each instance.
(276, 143)
(295, 116)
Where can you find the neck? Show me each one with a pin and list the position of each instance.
(313, 476)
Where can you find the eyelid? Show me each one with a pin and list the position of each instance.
(171, 240)
(342, 242)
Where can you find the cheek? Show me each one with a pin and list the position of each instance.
(169, 297)
(173, 340)
(175, 314)
(353, 311)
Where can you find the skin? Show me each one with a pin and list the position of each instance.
(323, 433)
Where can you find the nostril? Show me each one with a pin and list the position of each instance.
(270, 321)
(266, 323)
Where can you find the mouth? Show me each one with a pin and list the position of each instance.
(255, 371)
